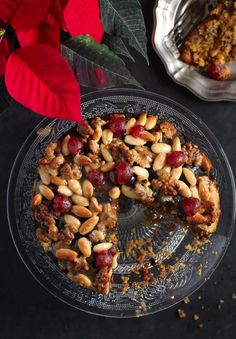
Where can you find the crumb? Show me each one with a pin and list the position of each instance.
(195, 317)
(203, 307)
(200, 326)
(186, 300)
(221, 301)
(234, 296)
(199, 297)
(181, 313)
(214, 253)
(219, 306)
(199, 270)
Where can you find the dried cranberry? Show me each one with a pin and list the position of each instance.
(61, 203)
(136, 131)
(218, 71)
(96, 177)
(124, 173)
(175, 159)
(75, 145)
(117, 125)
(190, 206)
(103, 259)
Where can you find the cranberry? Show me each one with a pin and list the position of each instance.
(103, 259)
(218, 71)
(124, 173)
(190, 206)
(75, 145)
(117, 125)
(96, 177)
(175, 159)
(136, 131)
(61, 203)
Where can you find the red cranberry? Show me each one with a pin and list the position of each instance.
(175, 159)
(218, 71)
(96, 177)
(75, 145)
(103, 259)
(136, 131)
(61, 203)
(117, 125)
(190, 206)
(124, 173)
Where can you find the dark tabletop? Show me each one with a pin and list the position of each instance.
(28, 311)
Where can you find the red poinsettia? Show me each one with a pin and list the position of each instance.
(35, 74)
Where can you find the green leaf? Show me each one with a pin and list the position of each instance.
(95, 65)
(118, 46)
(124, 19)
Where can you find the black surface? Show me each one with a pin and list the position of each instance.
(28, 311)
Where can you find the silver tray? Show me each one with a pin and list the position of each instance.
(166, 18)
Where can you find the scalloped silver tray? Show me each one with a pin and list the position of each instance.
(166, 14)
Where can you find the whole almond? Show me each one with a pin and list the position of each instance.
(151, 122)
(104, 246)
(107, 136)
(175, 173)
(161, 148)
(190, 176)
(176, 146)
(81, 211)
(129, 192)
(107, 167)
(142, 119)
(75, 186)
(183, 189)
(44, 175)
(58, 181)
(36, 200)
(130, 140)
(81, 201)
(93, 146)
(114, 193)
(140, 172)
(70, 219)
(130, 123)
(194, 191)
(159, 161)
(88, 225)
(105, 153)
(83, 280)
(65, 191)
(97, 134)
(64, 146)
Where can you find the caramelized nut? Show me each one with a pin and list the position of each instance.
(203, 188)
(82, 160)
(97, 236)
(97, 134)
(57, 161)
(151, 122)
(194, 191)
(176, 146)
(65, 191)
(142, 119)
(94, 206)
(58, 181)
(183, 189)
(44, 175)
(81, 211)
(70, 219)
(129, 192)
(93, 146)
(83, 280)
(161, 148)
(107, 136)
(81, 201)
(66, 254)
(106, 154)
(87, 188)
(114, 261)
(130, 140)
(130, 123)
(148, 136)
(107, 167)
(190, 176)
(46, 192)
(36, 200)
(175, 173)
(64, 146)
(88, 225)
(114, 193)
(104, 246)
(84, 246)
(141, 172)
(159, 161)
(75, 186)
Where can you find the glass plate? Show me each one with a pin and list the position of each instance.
(163, 292)
(166, 17)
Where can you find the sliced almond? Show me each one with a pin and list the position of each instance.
(151, 122)
(107, 136)
(105, 153)
(104, 246)
(190, 176)
(87, 188)
(176, 146)
(161, 147)
(85, 247)
(65, 191)
(46, 192)
(81, 201)
(66, 254)
(88, 225)
(129, 192)
(130, 140)
(44, 175)
(159, 161)
(81, 211)
(183, 189)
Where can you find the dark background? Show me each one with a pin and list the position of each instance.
(28, 311)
